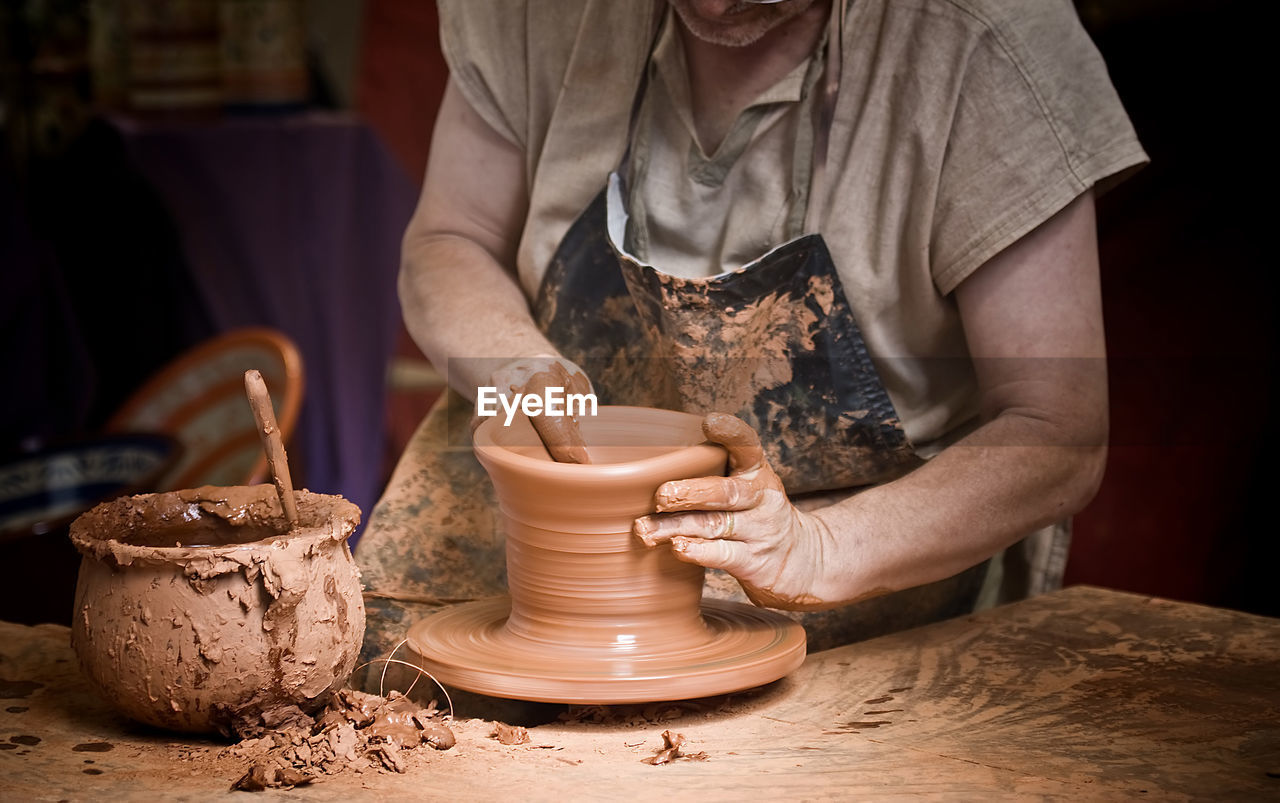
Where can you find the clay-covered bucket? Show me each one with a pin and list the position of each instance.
(192, 613)
(577, 575)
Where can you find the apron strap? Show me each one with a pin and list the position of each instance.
(824, 111)
(662, 11)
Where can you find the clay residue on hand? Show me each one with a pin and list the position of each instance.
(560, 434)
(356, 730)
(799, 602)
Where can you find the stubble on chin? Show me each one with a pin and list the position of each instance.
(757, 21)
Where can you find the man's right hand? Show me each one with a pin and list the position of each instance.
(533, 375)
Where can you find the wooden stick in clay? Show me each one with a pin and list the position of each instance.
(272, 444)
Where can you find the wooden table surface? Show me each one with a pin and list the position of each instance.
(1084, 693)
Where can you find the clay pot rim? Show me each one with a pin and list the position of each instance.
(336, 528)
(659, 464)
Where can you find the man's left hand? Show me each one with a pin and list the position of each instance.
(744, 524)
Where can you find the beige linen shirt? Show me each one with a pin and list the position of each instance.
(696, 214)
(960, 126)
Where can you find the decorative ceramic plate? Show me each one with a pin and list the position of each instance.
(198, 398)
(42, 491)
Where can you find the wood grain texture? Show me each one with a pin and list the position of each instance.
(1080, 694)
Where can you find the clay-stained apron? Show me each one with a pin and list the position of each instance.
(774, 342)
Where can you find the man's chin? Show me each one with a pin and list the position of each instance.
(739, 28)
(736, 33)
(727, 35)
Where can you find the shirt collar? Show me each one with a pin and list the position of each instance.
(671, 68)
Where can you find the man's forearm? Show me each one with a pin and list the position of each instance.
(458, 291)
(1033, 322)
(1008, 478)
(464, 310)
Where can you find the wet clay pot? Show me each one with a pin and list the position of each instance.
(594, 615)
(576, 574)
(192, 613)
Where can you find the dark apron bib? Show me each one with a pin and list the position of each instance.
(774, 343)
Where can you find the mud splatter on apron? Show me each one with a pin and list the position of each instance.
(774, 342)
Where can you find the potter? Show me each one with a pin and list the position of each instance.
(864, 231)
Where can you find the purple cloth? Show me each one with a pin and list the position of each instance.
(295, 223)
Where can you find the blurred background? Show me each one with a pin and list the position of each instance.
(175, 170)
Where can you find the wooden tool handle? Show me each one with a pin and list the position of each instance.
(272, 444)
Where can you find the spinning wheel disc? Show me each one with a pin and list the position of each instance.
(470, 647)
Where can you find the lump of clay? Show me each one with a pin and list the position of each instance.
(354, 730)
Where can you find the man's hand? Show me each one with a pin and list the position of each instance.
(530, 374)
(533, 375)
(745, 525)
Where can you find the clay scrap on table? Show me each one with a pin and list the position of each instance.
(354, 731)
(510, 734)
(670, 750)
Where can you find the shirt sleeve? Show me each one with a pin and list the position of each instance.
(485, 45)
(1036, 123)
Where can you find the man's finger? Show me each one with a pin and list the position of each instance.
(731, 432)
(560, 434)
(731, 556)
(516, 375)
(562, 438)
(574, 381)
(700, 524)
(708, 493)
